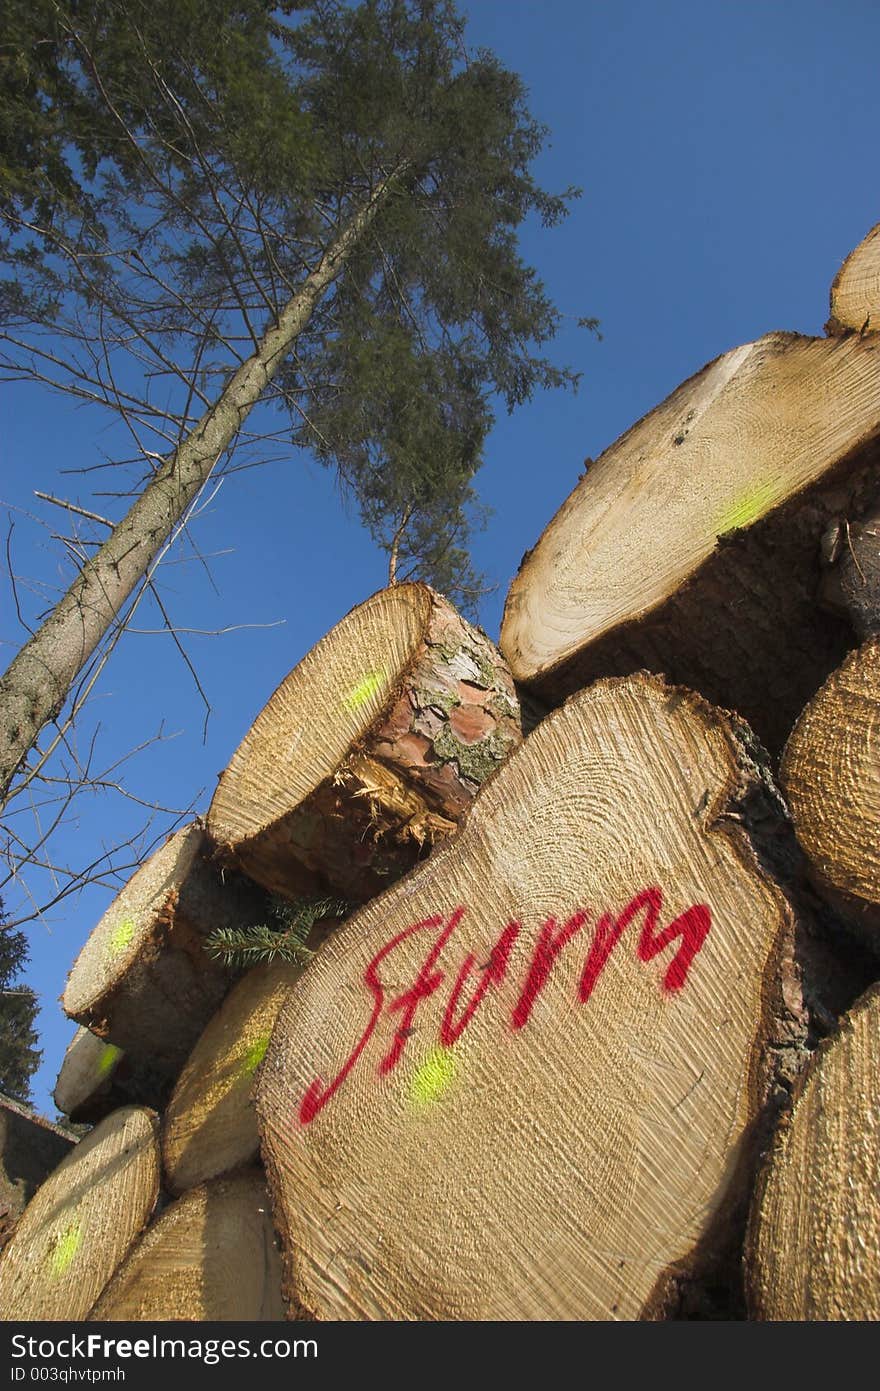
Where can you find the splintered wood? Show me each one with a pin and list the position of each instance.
(814, 1243)
(692, 546)
(522, 1084)
(82, 1221)
(369, 751)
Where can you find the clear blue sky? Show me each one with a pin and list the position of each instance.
(728, 158)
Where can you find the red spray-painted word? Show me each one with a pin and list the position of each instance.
(691, 927)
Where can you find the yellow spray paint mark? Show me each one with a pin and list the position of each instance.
(255, 1054)
(365, 690)
(747, 508)
(67, 1243)
(123, 936)
(432, 1077)
(108, 1059)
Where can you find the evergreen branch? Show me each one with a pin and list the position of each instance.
(283, 938)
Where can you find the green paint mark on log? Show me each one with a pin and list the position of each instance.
(255, 1054)
(746, 509)
(370, 686)
(432, 1077)
(67, 1243)
(108, 1059)
(122, 937)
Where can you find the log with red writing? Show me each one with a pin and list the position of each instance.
(369, 751)
(144, 981)
(693, 546)
(526, 1082)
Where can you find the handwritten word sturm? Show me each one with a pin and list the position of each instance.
(474, 980)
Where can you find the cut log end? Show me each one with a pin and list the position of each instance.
(855, 294)
(96, 1078)
(143, 981)
(525, 1084)
(813, 1250)
(210, 1126)
(369, 751)
(211, 1256)
(831, 776)
(692, 546)
(82, 1221)
(30, 1148)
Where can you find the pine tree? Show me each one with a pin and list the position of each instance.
(19, 1057)
(214, 207)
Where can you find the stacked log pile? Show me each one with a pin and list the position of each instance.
(594, 1040)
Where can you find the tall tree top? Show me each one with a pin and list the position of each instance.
(177, 168)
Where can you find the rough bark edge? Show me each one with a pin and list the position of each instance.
(850, 484)
(776, 1142)
(222, 849)
(398, 838)
(767, 849)
(807, 991)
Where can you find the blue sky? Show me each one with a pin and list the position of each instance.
(727, 154)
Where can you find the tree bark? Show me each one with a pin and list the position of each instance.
(855, 294)
(210, 1126)
(851, 561)
(82, 1221)
(36, 684)
(527, 1082)
(368, 752)
(211, 1256)
(813, 1250)
(692, 546)
(830, 774)
(143, 981)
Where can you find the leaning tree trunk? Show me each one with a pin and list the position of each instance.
(692, 546)
(855, 294)
(831, 777)
(36, 684)
(210, 1125)
(83, 1220)
(143, 981)
(813, 1250)
(369, 751)
(525, 1082)
(210, 1256)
